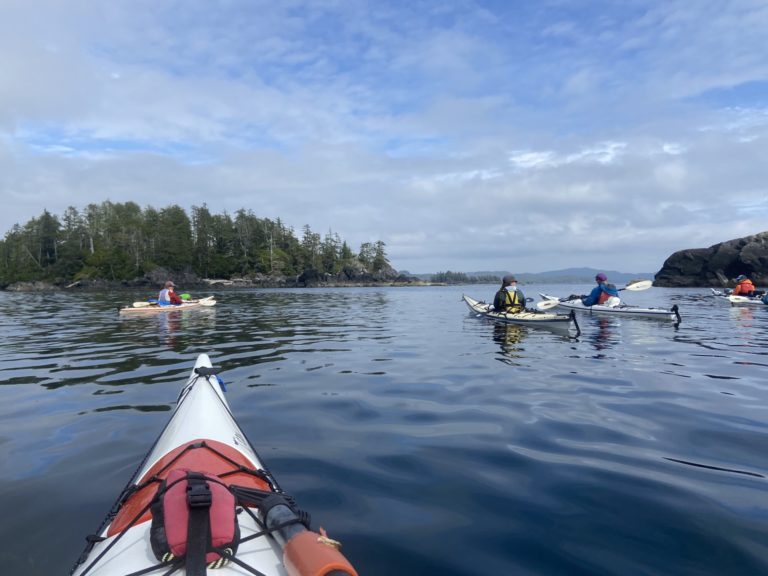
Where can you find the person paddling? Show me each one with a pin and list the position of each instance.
(604, 293)
(168, 296)
(744, 287)
(509, 298)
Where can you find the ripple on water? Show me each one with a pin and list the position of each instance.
(429, 441)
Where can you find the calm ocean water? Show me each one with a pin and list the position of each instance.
(425, 439)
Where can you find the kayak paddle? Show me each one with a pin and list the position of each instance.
(632, 286)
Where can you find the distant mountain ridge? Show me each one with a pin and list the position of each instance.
(564, 276)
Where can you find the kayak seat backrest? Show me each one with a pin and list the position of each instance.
(180, 495)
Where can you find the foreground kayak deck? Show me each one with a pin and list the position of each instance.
(737, 300)
(620, 310)
(203, 436)
(527, 318)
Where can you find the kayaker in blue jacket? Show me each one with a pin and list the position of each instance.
(602, 292)
(509, 298)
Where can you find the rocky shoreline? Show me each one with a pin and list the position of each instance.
(717, 265)
(189, 281)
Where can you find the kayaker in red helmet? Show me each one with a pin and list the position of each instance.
(744, 286)
(509, 298)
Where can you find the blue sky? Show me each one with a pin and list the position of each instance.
(466, 135)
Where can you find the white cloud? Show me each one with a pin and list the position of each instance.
(673, 148)
(450, 132)
(601, 153)
(529, 159)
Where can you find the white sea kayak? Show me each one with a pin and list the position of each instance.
(737, 300)
(526, 318)
(203, 499)
(619, 310)
(152, 307)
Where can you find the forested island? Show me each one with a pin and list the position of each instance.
(111, 245)
(122, 244)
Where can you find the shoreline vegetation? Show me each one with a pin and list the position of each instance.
(308, 279)
(110, 246)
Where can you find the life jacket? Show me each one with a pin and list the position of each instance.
(508, 300)
(607, 291)
(744, 288)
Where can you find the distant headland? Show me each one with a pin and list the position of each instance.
(717, 265)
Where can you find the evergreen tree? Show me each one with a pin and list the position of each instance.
(380, 261)
(174, 239)
(203, 240)
(310, 244)
(366, 255)
(120, 241)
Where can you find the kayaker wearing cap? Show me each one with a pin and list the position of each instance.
(744, 286)
(167, 295)
(602, 293)
(509, 298)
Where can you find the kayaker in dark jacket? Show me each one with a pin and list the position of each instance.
(509, 298)
(167, 295)
(602, 292)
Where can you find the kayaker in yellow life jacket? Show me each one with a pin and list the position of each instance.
(744, 286)
(509, 298)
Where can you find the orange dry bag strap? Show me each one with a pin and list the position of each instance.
(313, 554)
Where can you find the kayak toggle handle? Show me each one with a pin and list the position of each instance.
(207, 371)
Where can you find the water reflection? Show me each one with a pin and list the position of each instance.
(605, 337)
(744, 316)
(172, 329)
(510, 338)
(397, 394)
(169, 325)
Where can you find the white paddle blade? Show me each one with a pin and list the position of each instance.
(639, 285)
(547, 304)
(201, 301)
(207, 302)
(141, 304)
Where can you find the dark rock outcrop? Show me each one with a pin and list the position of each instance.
(717, 265)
